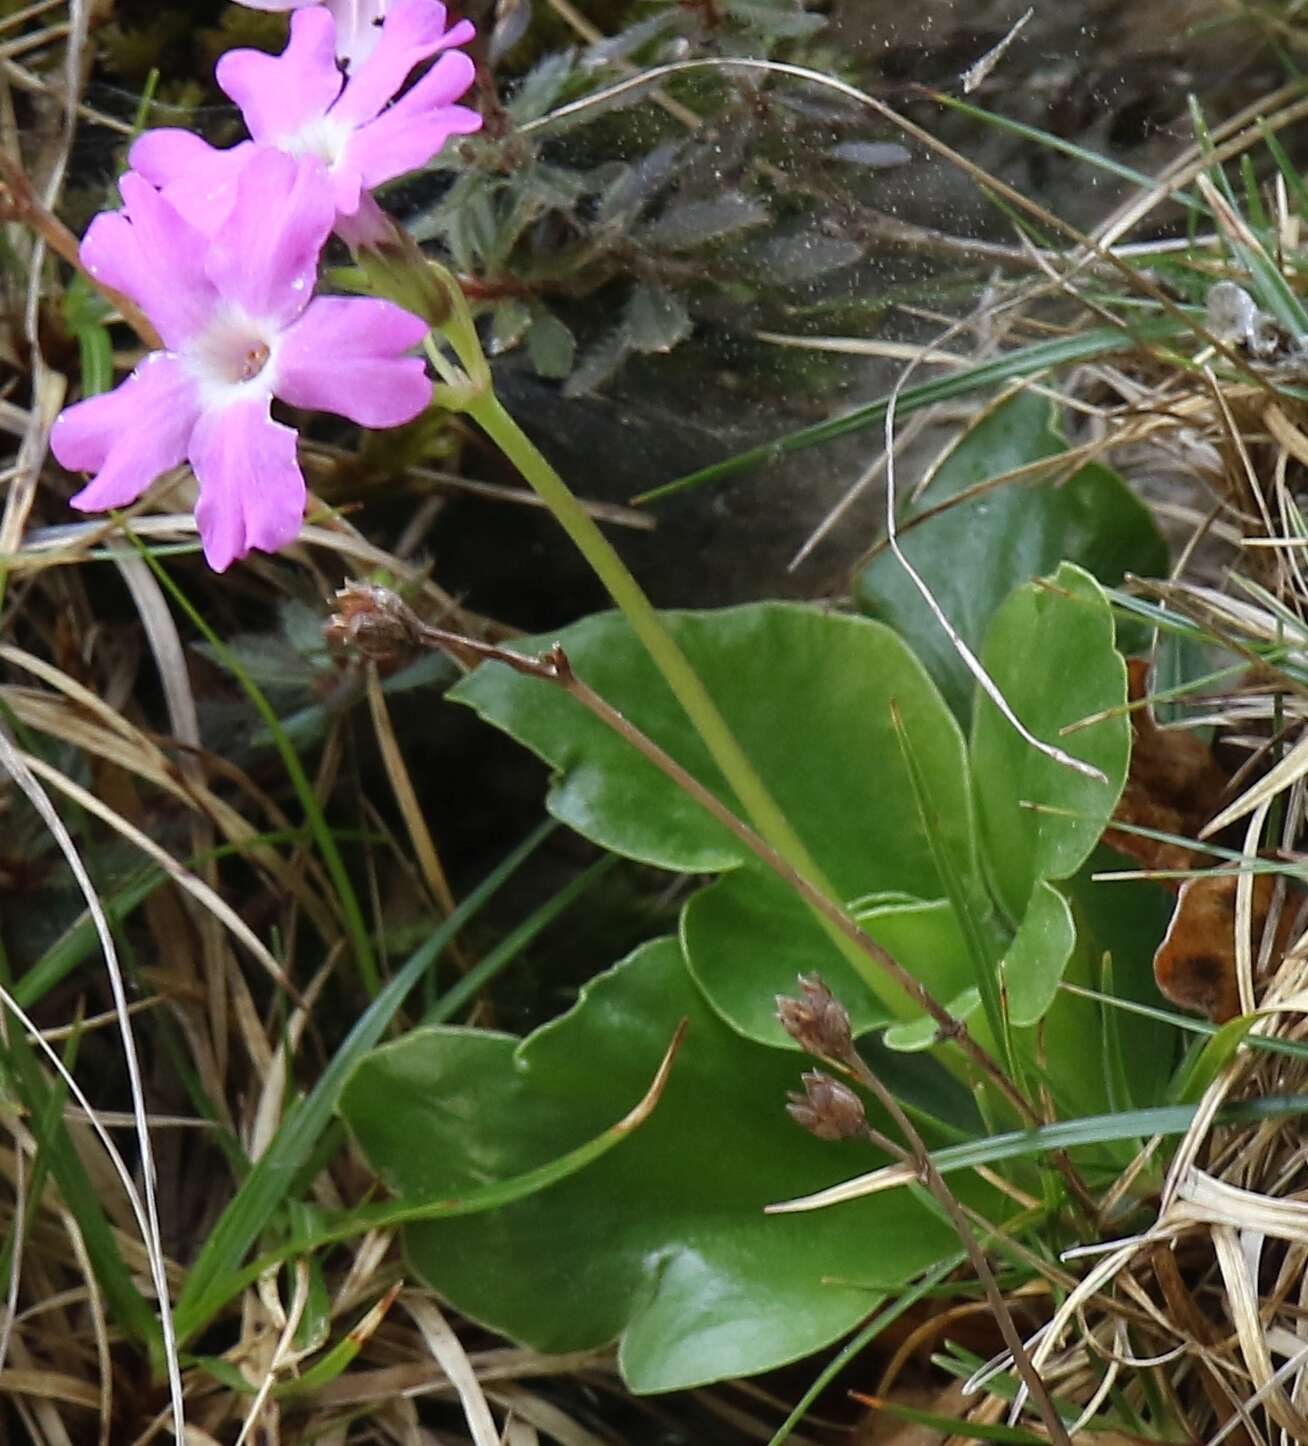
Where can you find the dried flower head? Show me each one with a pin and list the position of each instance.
(818, 1022)
(826, 1108)
(375, 623)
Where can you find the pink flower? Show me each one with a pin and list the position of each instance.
(357, 22)
(299, 102)
(238, 329)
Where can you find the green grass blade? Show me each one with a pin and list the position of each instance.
(1073, 1134)
(1057, 143)
(504, 953)
(960, 899)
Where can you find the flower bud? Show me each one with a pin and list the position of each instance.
(818, 1022)
(397, 269)
(828, 1109)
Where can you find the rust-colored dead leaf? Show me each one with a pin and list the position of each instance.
(1176, 785)
(1195, 964)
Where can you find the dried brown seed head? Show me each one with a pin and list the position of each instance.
(818, 1022)
(826, 1108)
(374, 623)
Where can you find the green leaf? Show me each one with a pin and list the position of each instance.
(662, 1243)
(1050, 650)
(695, 223)
(922, 1032)
(809, 696)
(925, 937)
(1126, 919)
(551, 346)
(973, 554)
(656, 319)
(1034, 963)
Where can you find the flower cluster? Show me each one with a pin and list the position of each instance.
(220, 250)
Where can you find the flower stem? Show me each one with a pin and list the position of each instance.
(762, 809)
(400, 271)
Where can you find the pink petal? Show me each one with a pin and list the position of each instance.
(276, 4)
(412, 31)
(281, 94)
(167, 153)
(265, 256)
(149, 252)
(446, 81)
(197, 179)
(415, 128)
(129, 436)
(344, 355)
(358, 28)
(251, 487)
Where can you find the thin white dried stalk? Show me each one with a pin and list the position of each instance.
(1291, 768)
(1244, 889)
(1091, 1408)
(19, 1235)
(544, 1416)
(976, 74)
(268, 1111)
(1242, 1302)
(450, 1356)
(1203, 1199)
(369, 1254)
(1242, 1417)
(281, 1353)
(866, 479)
(519, 1433)
(99, 1326)
(148, 1217)
(1047, 1339)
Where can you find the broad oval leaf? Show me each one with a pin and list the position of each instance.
(974, 553)
(662, 1243)
(1050, 650)
(809, 695)
(1035, 960)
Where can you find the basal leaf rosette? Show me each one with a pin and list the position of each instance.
(815, 700)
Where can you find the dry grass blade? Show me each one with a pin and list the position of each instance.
(196, 887)
(449, 1354)
(14, 764)
(424, 846)
(282, 1351)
